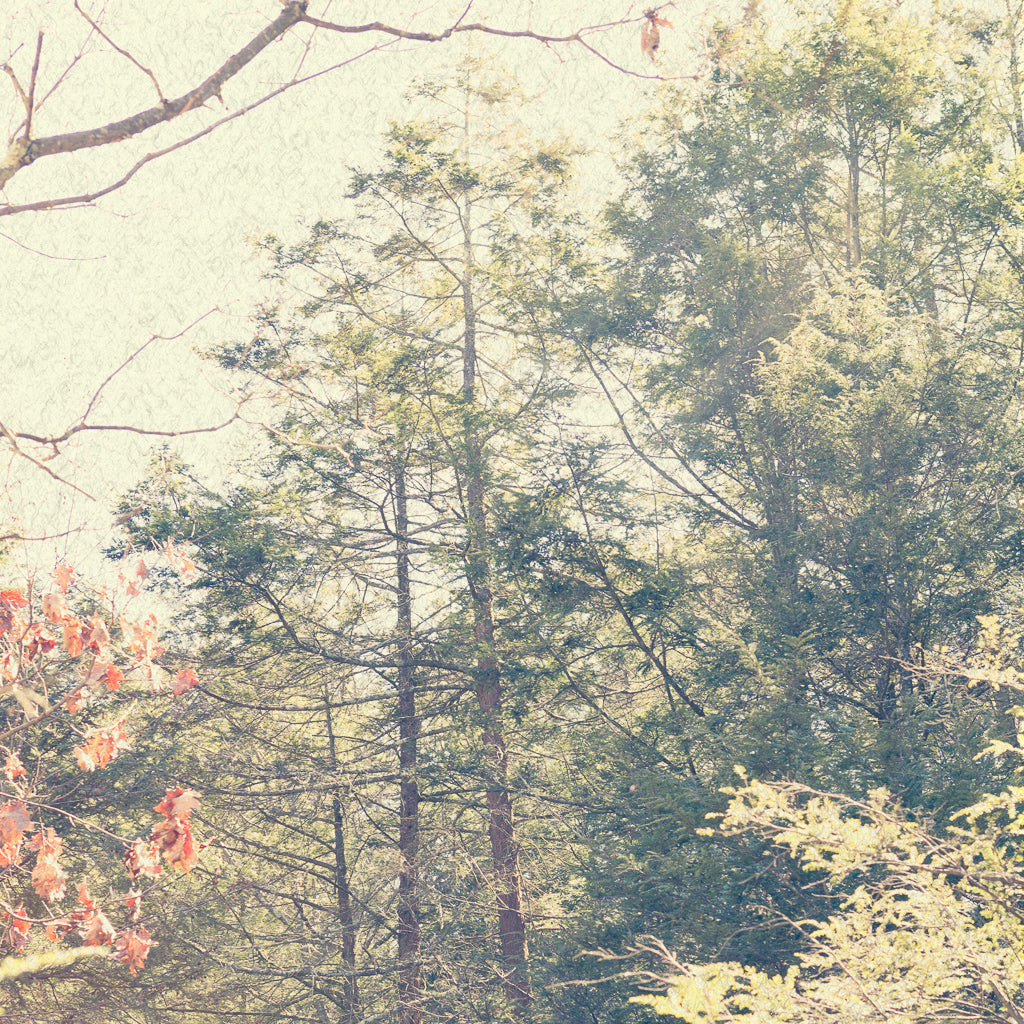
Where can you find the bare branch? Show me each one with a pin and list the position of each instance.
(17, 85)
(117, 131)
(24, 151)
(73, 202)
(15, 438)
(31, 99)
(39, 464)
(49, 255)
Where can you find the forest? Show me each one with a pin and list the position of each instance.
(617, 612)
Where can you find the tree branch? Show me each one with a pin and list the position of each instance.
(19, 156)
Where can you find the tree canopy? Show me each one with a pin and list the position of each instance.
(560, 508)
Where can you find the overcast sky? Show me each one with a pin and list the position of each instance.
(82, 289)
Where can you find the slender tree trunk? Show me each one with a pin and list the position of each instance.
(501, 823)
(410, 975)
(1013, 31)
(351, 1011)
(853, 200)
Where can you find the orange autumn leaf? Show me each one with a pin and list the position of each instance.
(9, 601)
(132, 948)
(174, 839)
(143, 859)
(63, 576)
(15, 821)
(650, 34)
(102, 746)
(90, 922)
(95, 635)
(13, 768)
(55, 606)
(57, 930)
(103, 672)
(48, 878)
(77, 700)
(179, 803)
(133, 901)
(97, 930)
(40, 640)
(133, 587)
(18, 929)
(178, 559)
(184, 681)
(73, 637)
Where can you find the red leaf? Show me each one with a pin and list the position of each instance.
(55, 606)
(132, 947)
(63, 576)
(184, 681)
(13, 598)
(13, 767)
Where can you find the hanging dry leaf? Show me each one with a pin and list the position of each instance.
(650, 34)
(132, 947)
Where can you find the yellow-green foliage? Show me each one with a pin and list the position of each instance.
(930, 926)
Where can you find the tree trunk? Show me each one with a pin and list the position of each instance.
(410, 975)
(343, 895)
(1013, 32)
(501, 823)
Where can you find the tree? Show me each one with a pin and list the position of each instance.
(802, 352)
(382, 567)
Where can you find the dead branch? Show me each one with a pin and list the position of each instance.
(86, 198)
(24, 150)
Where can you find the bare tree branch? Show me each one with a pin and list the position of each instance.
(31, 99)
(16, 438)
(86, 198)
(24, 150)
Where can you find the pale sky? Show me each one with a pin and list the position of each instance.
(80, 290)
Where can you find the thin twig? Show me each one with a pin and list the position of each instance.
(32, 86)
(124, 53)
(86, 199)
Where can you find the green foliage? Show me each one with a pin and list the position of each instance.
(928, 928)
